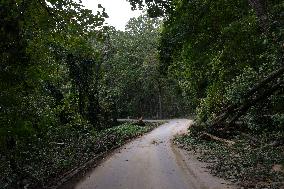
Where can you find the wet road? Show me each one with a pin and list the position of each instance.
(152, 162)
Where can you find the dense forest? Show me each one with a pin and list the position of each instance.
(66, 77)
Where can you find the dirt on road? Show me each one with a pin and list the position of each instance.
(152, 162)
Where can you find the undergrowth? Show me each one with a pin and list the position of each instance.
(246, 163)
(43, 159)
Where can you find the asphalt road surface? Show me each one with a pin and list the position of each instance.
(152, 162)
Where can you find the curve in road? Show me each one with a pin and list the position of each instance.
(152, 162)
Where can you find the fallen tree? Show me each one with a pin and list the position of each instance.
(270, 85)
(208, 136)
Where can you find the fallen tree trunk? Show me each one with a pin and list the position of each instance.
(245, 107)
(140, 122)
(265, 81)
(253, 90)
(208, 136)
(253, 139)
(268, 79)
(253, 96)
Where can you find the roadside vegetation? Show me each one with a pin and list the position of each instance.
(249, 163)
(66, 77)
(46, 159)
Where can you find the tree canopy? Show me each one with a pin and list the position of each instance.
(65, 74)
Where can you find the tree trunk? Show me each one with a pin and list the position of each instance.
(245, 107)
(81, 102)
(160, 107)
(260, 7)
(208, 136)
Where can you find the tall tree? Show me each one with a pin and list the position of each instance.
(36, 36)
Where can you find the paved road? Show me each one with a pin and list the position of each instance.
(152, 162)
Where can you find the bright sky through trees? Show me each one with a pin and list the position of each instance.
(119, 11)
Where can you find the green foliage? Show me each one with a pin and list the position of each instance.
(132, 77)
(65, 77)
(155, 8)
(60, 149)
(217, 51)
(120, 134)
(38, 96)
(29, 33)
